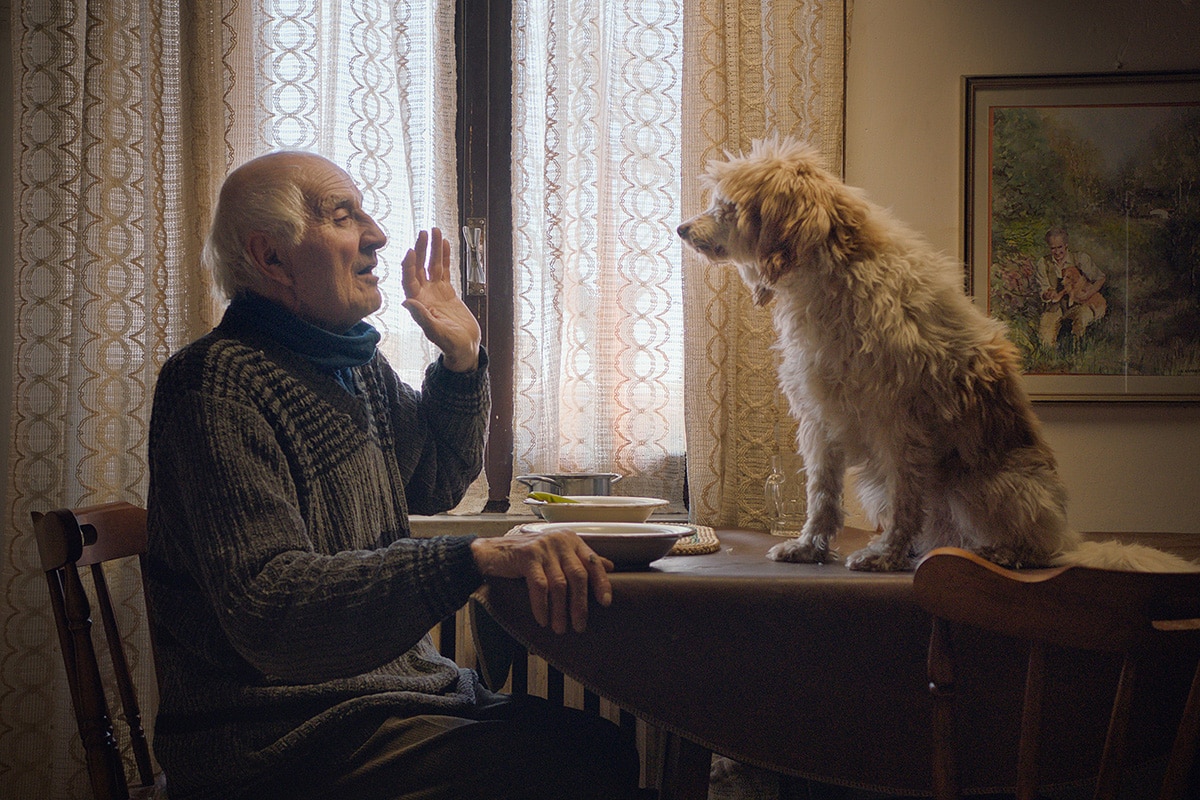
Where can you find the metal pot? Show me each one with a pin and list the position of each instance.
(595, 483)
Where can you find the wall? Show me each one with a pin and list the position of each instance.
(1128, 466)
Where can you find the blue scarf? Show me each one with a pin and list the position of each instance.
(332, 353)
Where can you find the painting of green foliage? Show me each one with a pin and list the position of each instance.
(1124, 182)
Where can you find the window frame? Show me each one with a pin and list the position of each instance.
(483, 45)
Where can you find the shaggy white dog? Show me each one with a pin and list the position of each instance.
(888, 366)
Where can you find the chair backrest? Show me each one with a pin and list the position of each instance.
(71, 540)
(1137, 614)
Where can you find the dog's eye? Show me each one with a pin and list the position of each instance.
(724, 208)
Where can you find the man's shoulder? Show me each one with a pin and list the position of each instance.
(217, 363)
(201, 353)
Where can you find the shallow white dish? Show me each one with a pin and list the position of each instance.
(629, 545)
(597, 508)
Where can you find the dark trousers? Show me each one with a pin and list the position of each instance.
(521, 748)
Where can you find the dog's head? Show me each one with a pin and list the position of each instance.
(772, 211)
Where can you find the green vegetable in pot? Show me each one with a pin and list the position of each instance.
(547, 497)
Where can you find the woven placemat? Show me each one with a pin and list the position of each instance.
(703, 539)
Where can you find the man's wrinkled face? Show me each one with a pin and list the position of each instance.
(1058, 248)
(332, 267)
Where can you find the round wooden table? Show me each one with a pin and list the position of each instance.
(819, 672)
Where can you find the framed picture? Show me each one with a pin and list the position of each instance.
(1082, 228)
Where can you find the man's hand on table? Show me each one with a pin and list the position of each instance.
(558, 568)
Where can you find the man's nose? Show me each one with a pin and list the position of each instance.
(373, 236)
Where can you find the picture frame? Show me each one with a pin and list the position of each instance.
(1082, 228)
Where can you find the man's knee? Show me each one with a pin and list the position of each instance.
(528, 750)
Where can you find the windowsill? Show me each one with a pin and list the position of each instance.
(489, 524)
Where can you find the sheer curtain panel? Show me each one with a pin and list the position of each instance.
(129, 114)
(752, 68)
(106, 195)
(596, 198)
(631, 352)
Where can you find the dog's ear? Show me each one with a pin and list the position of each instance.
(848, 237)
(793, 219)
(803, 209)
(762, 294)
(774, 259)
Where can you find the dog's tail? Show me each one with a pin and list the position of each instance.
(1121, 556)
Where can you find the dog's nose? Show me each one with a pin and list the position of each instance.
(683, 229)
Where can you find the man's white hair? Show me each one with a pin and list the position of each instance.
(1058, 232)
(254, 198)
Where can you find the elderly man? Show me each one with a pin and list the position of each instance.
(1070, 286)
(290, 607)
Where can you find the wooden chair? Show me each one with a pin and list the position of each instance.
(1129, 613)
(68, 541)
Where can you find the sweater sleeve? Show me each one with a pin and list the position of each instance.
(252, 580)
(439, 434)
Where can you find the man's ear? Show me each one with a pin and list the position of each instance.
(260, 246)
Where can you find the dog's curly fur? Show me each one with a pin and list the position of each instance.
(889, 366)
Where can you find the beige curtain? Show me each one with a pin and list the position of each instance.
(129, 113)
(599, 319)
(629, 351)
(108, 196)
(752, 68)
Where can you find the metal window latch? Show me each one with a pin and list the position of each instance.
(474, 255)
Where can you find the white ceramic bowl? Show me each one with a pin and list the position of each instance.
(629, 545)
(597, 508)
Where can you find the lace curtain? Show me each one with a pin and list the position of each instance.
(631, 351)
(129, 113)
(752, 68)
(596, 192)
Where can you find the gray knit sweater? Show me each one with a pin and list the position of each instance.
(290, 609)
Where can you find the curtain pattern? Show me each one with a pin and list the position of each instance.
(103, 195)
(753, 68)
(371, 86)
(130, 112)
(618, 330)
(599, 318)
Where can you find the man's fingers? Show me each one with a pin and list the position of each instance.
(408, 276)
(577, 585)
(446, 260)
(535, 582)
(439, 257)
(598, 568)
(560, 572)
(558, 583)
(413, 275)
(557, 592)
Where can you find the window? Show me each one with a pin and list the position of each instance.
(582, 142)
(566, 148)
(367, 85)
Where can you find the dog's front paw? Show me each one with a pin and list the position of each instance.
(878, 559)
(804, 549)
